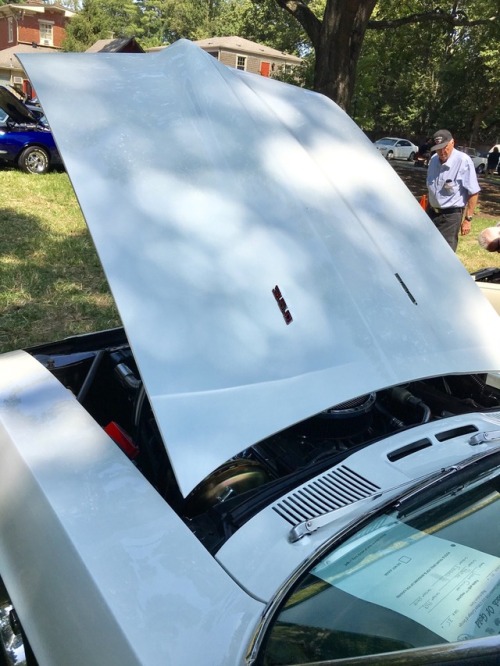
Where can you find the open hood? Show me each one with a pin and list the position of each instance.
(266, 261)
(13, 106)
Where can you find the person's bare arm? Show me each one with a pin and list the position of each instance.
(469, 212)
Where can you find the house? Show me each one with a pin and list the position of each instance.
(32, 26)
(116, 45)
(244, 54)
(250, 56)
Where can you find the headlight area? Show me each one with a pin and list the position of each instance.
(14, 647)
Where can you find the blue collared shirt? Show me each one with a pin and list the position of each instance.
(451, 184)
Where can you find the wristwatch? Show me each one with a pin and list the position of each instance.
(468, 218)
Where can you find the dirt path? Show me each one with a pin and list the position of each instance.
(489, 199)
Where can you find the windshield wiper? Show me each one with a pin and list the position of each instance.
(312, 524)
(399, 494)
(484, 437)
(458, 474)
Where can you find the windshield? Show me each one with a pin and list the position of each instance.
(386, 142)
(427, 576)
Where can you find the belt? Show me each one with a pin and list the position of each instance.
(444, 211)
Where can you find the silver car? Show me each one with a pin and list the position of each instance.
(291, 451)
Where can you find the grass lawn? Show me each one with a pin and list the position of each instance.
(52, 284)
(470, 252)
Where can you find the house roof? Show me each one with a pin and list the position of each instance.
(117, 45)
(8, 58)
(34, 7)
(239, 44)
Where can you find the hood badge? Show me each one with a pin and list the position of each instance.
(282, 305)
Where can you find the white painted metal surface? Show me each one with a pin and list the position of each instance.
(205, 188)
(282, 557)
(97, 564)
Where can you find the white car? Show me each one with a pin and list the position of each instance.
(396, 149)
(291, 452)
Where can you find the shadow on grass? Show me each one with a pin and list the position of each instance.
(52, 282)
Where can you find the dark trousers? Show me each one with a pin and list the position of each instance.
(448, 223)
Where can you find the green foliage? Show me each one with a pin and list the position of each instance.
(165, 21)
(410, 78)
(259, 21)
(424, 75)
(101, 19)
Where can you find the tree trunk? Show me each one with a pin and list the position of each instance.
(339, 46)
(337, 40)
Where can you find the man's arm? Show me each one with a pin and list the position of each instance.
(470, 207)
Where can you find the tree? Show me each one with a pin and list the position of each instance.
(337, 34)
(431, 75)
(101, 19)
(260, 22)
(165, 21)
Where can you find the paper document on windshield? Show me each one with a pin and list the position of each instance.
(451, 589)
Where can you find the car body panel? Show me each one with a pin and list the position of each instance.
(13, 140)
(261, 278)
(259, 179)
(377, 468)
(131, 579)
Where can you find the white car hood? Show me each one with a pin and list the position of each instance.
(205, 189)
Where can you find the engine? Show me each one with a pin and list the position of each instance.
(100, 370)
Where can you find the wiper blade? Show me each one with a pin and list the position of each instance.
(397, 495)
(484, 437)
(454, 473)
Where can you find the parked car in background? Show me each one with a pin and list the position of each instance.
(396, 149)
(290, 453)
(479, 159)
(25, 137)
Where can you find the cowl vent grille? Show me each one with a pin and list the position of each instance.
(338, 488)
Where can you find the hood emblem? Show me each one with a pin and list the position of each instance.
(282, 305)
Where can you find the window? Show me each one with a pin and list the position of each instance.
(411, 579)
(241, 62)
(10, 27)
(45, 33)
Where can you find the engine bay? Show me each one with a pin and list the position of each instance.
(101, 372)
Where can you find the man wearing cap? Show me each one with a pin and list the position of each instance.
(453, 188)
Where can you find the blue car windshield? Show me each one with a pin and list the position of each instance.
(425, 574)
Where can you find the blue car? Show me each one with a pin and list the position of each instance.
(25, 137)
